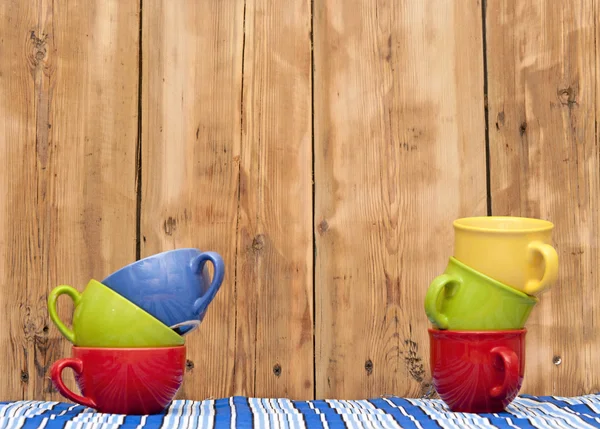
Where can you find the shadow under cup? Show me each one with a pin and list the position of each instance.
(477, 372)
(136, 381)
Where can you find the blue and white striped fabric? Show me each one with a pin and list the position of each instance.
(545, 412)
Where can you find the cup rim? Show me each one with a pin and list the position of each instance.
(532, 298)
(143, 312)
(465, 224)
(128, 349)
(491, 332)
(150, 257)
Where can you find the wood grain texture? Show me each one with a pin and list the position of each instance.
(227, 161)
(68, 131)
(275, 240)
(544, 163)
(399, 154)
(225, 151)
(191, 80)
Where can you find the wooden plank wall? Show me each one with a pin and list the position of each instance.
(323, 148)
(226, 143)
(68, 130)
(544, 162)
(395, 163)
(190, 143)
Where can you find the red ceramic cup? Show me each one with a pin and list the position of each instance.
(477, 371)
(123, 381)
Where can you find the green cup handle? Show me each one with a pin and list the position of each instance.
(52, 299)
(550, 258)
(431, 299)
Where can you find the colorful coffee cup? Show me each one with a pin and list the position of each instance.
(123, 381)
(103, 318)
(515, 251)
(464, 299)
(477, 372)
(173, 286)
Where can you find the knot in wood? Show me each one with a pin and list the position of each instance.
(277, 370)
(323, 227)
(189, 365)
(369, 366)
(32, 321)
(170, 225)
(258, 242)
(38, 48)
(24, 376)
(567, 96)
(556, 360)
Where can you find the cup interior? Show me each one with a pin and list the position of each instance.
(184, 328)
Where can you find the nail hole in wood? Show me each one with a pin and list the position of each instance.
(323, 227)
(523, 129)
(189, 365)
(556, 360)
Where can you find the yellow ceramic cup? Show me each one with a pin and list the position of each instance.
(515, 251)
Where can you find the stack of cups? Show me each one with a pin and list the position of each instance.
(129, 352)
(479, 307)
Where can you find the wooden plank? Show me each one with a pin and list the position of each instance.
(275, 241)
(196, 177)
(68, 131)
(191, 98)
(542, 76)
(399, 154)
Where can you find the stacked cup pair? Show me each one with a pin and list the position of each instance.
(128, 330)
(479, 307)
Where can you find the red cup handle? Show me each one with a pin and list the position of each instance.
(56, 375)
(511, 372)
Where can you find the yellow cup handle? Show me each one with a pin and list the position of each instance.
(550, 275)
(432, 309)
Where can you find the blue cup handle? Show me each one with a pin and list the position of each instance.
(219, 273)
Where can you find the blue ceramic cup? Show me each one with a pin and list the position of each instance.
(172, 286)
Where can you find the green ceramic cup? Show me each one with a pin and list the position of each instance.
(465, 299)
(103, 318)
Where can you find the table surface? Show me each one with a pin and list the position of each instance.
(241, 412)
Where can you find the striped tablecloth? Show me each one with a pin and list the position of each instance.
(241, 412)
